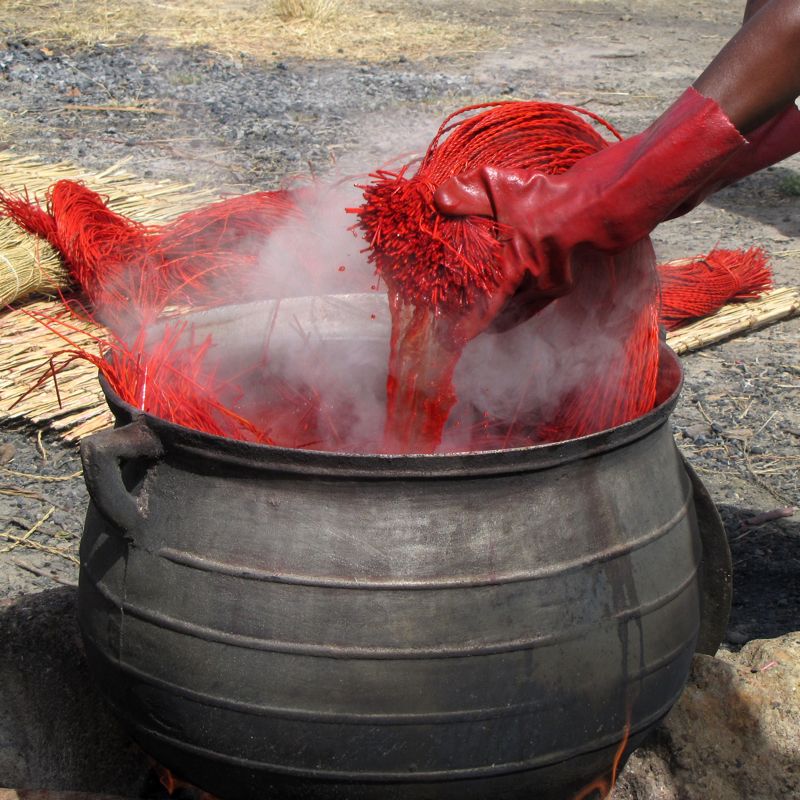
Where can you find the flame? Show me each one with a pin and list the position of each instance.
(603, 785)
(172, 784)
(167, 779)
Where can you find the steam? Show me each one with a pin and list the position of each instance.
(312, 360)
(320, 254)
(322, 343)
(578, 345)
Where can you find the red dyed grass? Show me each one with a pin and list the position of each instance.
(132, 271)
(437, 269)
(444, 267)
(697, 287)
(450, 263)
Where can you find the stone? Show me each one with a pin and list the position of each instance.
(696, 431)
(733, 735)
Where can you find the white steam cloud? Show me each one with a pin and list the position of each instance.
(326, 334)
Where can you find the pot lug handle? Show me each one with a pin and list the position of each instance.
(715, 569)
(102, 455)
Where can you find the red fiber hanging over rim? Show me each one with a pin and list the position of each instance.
(128, 269)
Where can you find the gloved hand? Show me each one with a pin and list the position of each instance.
(774, 141)
(607, 201)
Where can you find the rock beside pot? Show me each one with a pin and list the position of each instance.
(733, 735)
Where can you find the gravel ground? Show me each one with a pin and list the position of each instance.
(230, 125)
(239, 124)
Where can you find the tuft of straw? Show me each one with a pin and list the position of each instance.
(452, 262)
(308, 9)
(74, 402)
(28, 266)
(454, 267)
(693, 288)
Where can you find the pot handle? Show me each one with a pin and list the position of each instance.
(102, 455)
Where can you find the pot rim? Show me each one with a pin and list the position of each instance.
(178, 440)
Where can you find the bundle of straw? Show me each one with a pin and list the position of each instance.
(450, 269)
(132, 270)
(28, 265)
(693, 288)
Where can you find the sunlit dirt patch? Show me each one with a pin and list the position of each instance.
(357, 30)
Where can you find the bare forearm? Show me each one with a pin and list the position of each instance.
(757, 74)
(751, 7)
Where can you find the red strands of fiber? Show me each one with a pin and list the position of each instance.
(172, 379)
(449, 267)
(26, 213)
(696, 287)
(132, 271)
(95, 243)
(451, 263)
(105, 251)
(420, 253)
(622, 392)
(208, 255)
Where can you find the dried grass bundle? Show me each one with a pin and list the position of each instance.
(28, 266)
(308, 9)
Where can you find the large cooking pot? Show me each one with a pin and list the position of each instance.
(285, 623)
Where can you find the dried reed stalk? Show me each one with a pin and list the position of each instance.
(40, 478)
(308, 9)
(28, 265)
(26, 347)
(33, 545)
(13, 490)
(778, 304)
(23, 540)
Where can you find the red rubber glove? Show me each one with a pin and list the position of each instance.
(607, 201)
(772, 142)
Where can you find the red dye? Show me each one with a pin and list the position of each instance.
(451, 263)
(170, 378)
(131, 271)
(447, 270)
(419, 388)
(96, 244)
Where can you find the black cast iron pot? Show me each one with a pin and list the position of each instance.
(285, 623)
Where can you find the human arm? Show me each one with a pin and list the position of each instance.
(612, 199)
(768, 99)
(757, 74)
